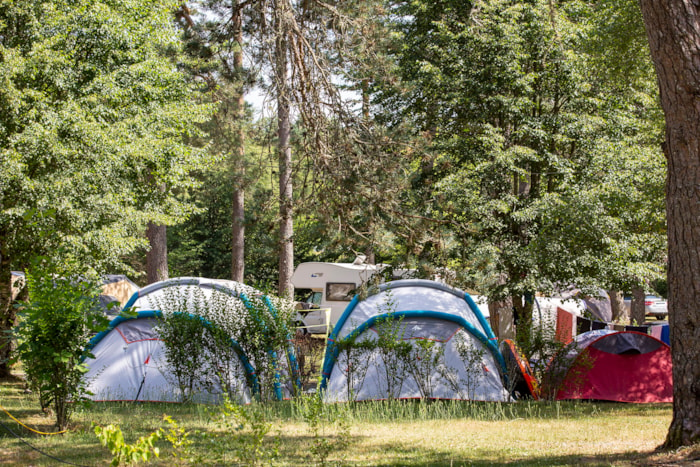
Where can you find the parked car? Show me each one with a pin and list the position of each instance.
(653, 305)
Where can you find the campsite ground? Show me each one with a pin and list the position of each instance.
(525, 433)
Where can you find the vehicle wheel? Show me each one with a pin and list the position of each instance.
(660, 317)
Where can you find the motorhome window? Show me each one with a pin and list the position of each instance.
(308, 296)
(340, 291)
(315, 298)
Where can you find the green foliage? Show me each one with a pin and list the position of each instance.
(142, 450)
(186, 340)
(199, 352)
(53, 330)
(320, 422)
(93, 127)
(391, 348)
(426, 355)
(472, 356)
(93, 132)
(355, 356)
(180, 440)
(198, 330)
(240, 437)
(538, 170)
(310, 353)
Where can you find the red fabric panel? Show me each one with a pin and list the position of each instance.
(565, 326)
(622, 378)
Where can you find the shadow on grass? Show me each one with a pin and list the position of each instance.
(51, 455)
(401, 456)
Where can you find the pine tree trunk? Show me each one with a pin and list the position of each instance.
(501, 318)
(238, 236)
(157, 256)
(238, 204)
(286, 232)
(673, 28)
(7, 312)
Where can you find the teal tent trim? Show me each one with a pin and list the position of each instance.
(291, 353)
(480, 316)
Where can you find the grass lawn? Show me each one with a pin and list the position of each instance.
(398, 433)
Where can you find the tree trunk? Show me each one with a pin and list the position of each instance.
(522, 317)
(157, 256)
(286, 242)
(7, 312)
(501, 318)
(637, 309)
(238, 208)
(673, 29)
(238, 236)
(617, 305)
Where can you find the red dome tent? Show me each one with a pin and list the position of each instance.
(617, 366)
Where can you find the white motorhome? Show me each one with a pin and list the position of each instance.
(330, 286)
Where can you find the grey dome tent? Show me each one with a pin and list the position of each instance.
(135, 345)
(444, 347)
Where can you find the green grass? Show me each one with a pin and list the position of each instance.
(379, 433)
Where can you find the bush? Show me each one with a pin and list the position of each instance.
(54, 327)
(198, 330)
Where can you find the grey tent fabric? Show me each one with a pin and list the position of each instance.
(129, 364)
(599, 307)
(625, 343)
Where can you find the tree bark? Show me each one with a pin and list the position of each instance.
(238, 204)
(286, 233)
(238, 236)
(7, 312)
(673, 29)
(637, 309)
(157, 256)
(501, 319)
(522, 317)
(619, 313)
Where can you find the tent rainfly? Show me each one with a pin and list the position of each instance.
(130, 361)
(413, 339)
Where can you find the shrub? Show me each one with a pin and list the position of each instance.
(355, 358)
(54, 327)
(393, 351)
(241, 436)
(426, 355)
(142, 450)
(198, 330)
